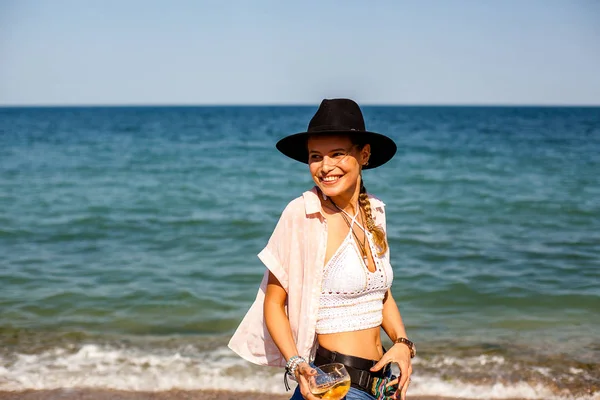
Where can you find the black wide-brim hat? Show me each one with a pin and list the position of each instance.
(339, 117)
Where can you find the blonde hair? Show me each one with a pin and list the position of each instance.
(377, 231)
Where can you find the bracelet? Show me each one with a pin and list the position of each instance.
(411, 346)
(292, 364)
(290, 369)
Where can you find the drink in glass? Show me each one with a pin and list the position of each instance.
(332, 382)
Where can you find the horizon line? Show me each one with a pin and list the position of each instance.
(366, 104)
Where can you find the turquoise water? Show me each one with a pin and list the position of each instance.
(128, 242)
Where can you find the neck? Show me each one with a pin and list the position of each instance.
(348, 201)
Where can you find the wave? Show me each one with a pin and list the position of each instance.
(205, 367)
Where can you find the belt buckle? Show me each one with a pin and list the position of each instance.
(364, 379)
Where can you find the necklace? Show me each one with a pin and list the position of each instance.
(362, 245)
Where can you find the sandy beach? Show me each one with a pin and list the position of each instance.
(97, 394)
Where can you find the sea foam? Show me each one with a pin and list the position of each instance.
(105, 366)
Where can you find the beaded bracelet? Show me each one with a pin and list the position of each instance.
(290, 369)
(293, 363)
(290, 362)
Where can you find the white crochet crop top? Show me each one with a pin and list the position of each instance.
(351, 295)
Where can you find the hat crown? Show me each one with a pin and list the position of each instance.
(337, 115)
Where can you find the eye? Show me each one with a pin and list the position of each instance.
(338, 154)
(314, 158)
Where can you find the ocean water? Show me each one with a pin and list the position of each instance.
(128, 242)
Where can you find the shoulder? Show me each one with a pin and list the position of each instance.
(294, 208)
(378, 210)
(303, 206)
(376, 203)
(306, 204)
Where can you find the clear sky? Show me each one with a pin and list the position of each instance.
(77, 52)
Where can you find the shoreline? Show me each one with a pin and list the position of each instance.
(108, 394)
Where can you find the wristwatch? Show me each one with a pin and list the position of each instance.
(409, 344)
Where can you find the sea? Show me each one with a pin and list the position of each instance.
(128, 242)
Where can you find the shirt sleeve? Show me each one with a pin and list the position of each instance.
(276, 253)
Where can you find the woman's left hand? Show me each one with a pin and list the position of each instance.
(399, 353)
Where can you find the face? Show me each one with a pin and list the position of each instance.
(335, 164)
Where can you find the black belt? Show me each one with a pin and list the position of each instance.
(358, 368)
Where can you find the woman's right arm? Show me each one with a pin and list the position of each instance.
(278, 326)
(276, 318)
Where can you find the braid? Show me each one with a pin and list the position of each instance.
(376, 231)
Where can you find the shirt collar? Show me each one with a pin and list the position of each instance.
(312, 205)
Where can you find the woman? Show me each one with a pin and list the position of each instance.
(326, 291)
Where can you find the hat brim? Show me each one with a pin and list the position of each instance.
(382, 147)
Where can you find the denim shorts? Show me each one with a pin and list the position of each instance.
(353, 394)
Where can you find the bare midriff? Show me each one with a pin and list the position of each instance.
(365, 343)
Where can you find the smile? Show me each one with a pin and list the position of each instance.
(330, 179)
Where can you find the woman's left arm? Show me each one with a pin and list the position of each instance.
(399, 353)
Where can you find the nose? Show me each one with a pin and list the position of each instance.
(327, 164)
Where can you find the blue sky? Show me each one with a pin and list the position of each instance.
(75, 52)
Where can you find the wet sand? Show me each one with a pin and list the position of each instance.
(99, 394)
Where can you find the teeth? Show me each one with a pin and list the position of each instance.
(330, 178)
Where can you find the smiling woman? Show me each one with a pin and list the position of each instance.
(325, 294)
(339, 176)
